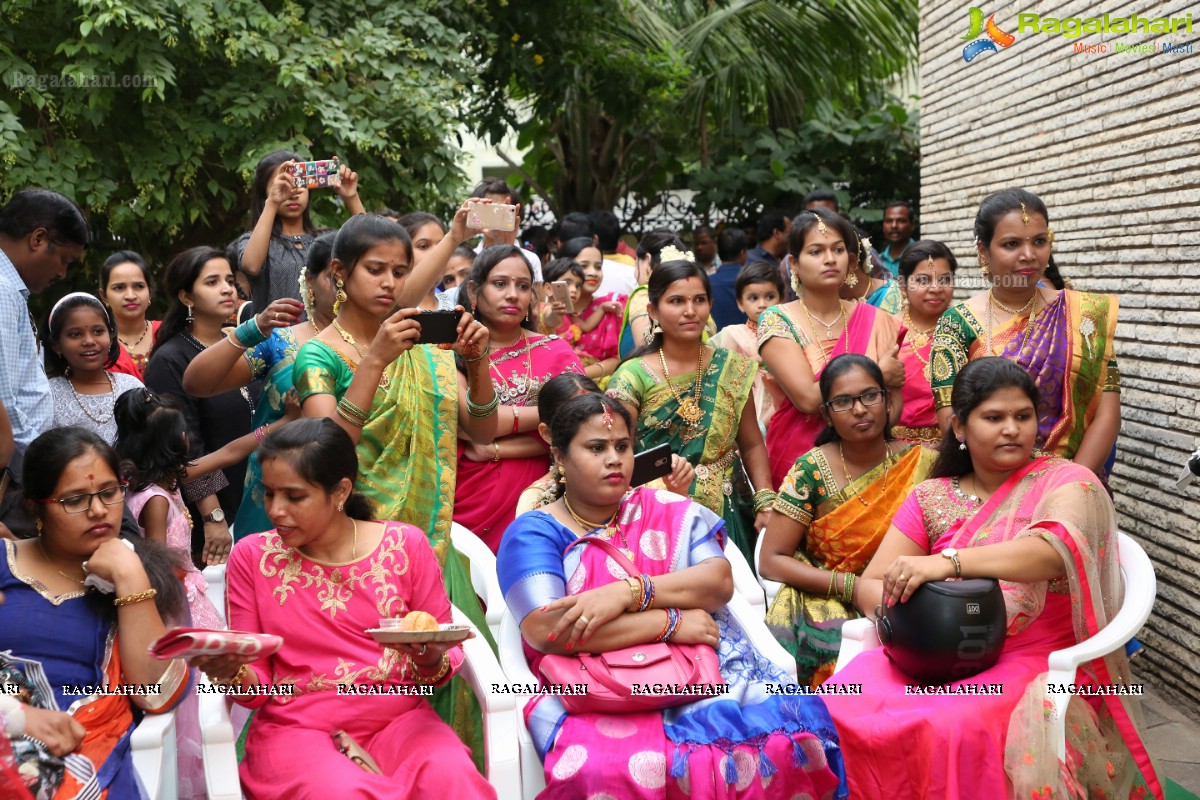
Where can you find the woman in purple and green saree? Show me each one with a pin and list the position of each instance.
(1063, 338)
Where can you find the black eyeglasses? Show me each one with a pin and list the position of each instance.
(79, 503)
(871, 397)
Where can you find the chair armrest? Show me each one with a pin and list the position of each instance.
(858, 635)
(218, 748)
(516, 668)
(481, 670)
(154, 755)
(483, 573)
(751, 621)
(743, 576)
(770, 587)
(1140, 586)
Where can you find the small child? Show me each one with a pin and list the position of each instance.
(152, 444)
(758, 286)
(553, 316)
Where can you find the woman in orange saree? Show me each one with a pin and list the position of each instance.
(833, 508)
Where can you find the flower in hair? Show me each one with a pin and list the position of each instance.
(673, 253)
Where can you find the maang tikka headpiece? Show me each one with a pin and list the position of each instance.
(1024, 214)
(930, 261)
(608, 419)
(821, 228)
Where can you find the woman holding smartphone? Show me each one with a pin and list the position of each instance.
(698, 400)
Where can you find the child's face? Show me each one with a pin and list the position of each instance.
(84, 341)
(757, 298)
(574, 286)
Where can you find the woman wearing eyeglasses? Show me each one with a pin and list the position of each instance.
(60, 639)
(927, 271)
(832, 511)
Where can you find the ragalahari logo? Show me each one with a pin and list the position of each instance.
(995, 36)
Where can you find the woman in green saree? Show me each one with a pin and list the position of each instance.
(403, 404)
(833, 509)
(698, 400)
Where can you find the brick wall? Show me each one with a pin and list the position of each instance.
(1111, 142)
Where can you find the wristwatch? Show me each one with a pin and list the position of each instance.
(216, 516)
(952, 554)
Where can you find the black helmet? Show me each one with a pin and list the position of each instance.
(946, 631)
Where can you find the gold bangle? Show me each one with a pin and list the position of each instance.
(430, 679)
(635, 592)
(497, 446)
(832, 577)
(130, 599)
(235, 679)
(229, 338)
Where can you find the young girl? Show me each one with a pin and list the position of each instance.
(152, 444)
(758, 287)
(125, 287)
(553, 316)
(273, 253)
(599, 315)
(82, 346)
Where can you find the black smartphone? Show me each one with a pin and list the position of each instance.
(651, 464)
(438, 327)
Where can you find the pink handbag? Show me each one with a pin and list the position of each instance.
(643, 677)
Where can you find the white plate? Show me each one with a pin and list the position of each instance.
(448, 633)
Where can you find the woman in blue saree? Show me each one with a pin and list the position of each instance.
(750, 742)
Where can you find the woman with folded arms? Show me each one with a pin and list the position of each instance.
(746, 743)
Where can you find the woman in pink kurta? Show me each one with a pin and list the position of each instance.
(320, 580)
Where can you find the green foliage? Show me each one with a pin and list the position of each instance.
(869, 156)
(616, 97)
(166, 163)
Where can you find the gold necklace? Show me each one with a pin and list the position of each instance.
(353, 545)
(846, 472)
(520, 393)
(49, 561)
(1031, 307)
(920, 339)
(610, 529)
(1023, 309)
(349, 340)
(829, 332)
(689, 407)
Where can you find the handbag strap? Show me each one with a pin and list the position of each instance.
(629, 567)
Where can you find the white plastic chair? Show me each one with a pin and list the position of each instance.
(154, 756)
(770, 587)
(479, 669)
(743, 577)
(483, 574)
(512, 659)
(1139, 587)
(215, 578)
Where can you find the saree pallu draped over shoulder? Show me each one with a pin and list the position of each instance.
(791, 432)
(966, 743)
(844, 526)
(757, 740)
(711, 445)
(406, 457)
(1067, 350)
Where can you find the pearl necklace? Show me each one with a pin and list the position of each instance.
(102, 419)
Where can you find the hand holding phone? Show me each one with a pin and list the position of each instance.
(562, 294)
(492, 216)
(438, 327)
(651, 464)
(317, 174)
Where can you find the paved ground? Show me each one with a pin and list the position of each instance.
(1173, 741)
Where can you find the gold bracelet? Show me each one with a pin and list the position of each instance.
(341, 412)
(130, 599)
(229, 338)
(497, 446)
(235, 679)
(832, 577)
(635, 592)
(429, 680)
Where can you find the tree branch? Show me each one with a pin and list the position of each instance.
(537, 187)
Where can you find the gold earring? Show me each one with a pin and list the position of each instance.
(851, 279)
(983, 267)
(339, 297)
(795, 285)
(341, 505)
(562, 474)
(37, 524)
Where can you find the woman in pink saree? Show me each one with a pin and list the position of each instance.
(927, 276)
(797, 339)
(325, 575)
(751, 742)
(499, 292)
(1046, 529)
